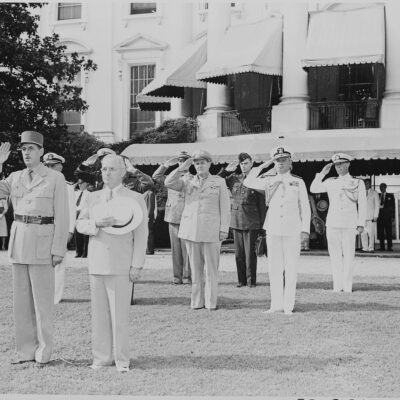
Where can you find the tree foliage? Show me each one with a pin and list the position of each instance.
(36, 74)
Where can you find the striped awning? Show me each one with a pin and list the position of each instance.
(182, 73)
(306, 146)
(341, 37)
(254, 47)
(153, 103)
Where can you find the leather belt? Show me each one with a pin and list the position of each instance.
(31, 219)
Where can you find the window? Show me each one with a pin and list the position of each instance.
(69, 11)
(141, 76)
(143, 8)
(73, 119)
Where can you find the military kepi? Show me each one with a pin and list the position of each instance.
(32, 137)
(341, 157)
(279, 152)
(202, 155)
(53, 158)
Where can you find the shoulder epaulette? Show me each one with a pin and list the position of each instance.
(296, 176)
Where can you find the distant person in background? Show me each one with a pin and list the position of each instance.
(150, 200)
(368, 235)
(81, 196)
(386, 214)
(3, 225)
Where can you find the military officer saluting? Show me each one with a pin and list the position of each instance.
(346, 217)
(287, 224)
(247, 218)
(55, 162)
(38, 242)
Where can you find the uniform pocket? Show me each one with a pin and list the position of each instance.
(44, 242)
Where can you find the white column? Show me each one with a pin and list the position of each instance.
(219, 19)
(390, 112)
(291, 113)
(181, 35)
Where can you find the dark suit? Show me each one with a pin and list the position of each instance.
(386, 214)
(247, 217)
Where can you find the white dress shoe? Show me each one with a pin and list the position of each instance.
(123, 369)
(96, 367)
(288, 312)
(271, 311)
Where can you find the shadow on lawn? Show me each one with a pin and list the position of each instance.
(343, 307)
(283, 363)
(357, 287)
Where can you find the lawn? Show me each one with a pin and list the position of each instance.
(333, 345)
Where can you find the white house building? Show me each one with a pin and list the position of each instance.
(319, 77)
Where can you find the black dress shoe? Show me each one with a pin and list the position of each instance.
(240, 284)
(253, 285)
(78, 256)
(390, 249)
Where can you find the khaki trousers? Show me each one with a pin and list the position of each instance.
(59, 279)
(283, 256)
(180, 258)
(204, 256)
(341, 251)
(33, 286)
(111, 296)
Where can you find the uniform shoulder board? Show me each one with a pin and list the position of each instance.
(69, 183)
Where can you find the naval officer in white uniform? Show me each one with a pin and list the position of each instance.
(287, 224)
(346, 217)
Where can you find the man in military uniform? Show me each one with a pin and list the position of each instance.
(38, 242)
(204, 224)
(346, 217)
(173, 213)
(287, 225)
(55, 162)
(247, 217)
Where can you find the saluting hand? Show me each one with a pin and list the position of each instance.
(326, 169)
(4, 152)
(231, 167)
(172, 161)
(91, 160)
(129, 166)
(186, 165)
(266, 164)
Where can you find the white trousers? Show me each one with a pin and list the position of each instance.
(59, 280)
(341, 251)
(204, 256)
(33, 286)
(283, 255)
(111, 299)
(368, 236)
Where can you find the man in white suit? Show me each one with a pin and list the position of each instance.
(346, 217)
(114, 260)
(204, 224)
(369, 234)
(287, 225)
(55, 162)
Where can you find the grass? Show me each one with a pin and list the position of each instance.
(333, 345)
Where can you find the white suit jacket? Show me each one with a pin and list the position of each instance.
(372, 204)
(113, 254)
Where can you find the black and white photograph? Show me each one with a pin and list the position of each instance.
(200, 199)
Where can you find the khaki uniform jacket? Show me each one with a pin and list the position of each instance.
(175, 200)
(247, 205)
(207, 206)
(45, 196)
(113, 254)
(347, 200)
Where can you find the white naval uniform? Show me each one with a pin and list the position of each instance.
(347, 211)
(59, 269)
(288, 215)
(369, 234)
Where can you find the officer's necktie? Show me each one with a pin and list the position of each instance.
(30, 176)
(78, 201)
(110, 195)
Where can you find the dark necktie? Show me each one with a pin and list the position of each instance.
(30, 175)
(78, 201)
